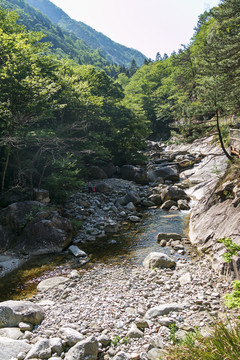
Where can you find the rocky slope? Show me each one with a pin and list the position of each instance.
(215, 212)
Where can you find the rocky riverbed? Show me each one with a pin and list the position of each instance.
(120, 312)
(123, 311)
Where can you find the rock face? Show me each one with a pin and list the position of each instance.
(158, 260)
(14, 312)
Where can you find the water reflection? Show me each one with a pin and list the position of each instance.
(133, 246)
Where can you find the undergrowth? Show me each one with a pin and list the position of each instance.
(223, 344)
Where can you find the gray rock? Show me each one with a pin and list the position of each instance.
(51, 283)
(133, 173)
(158, 259)
(170, 172)
(173, 193)
(84, 350)
(164, 309)
(14, 312)
(134, 218)
(134, 332)
(111, 227)
(130, 206)
(121, 355)
(168, 204)
(133, 197)
(11, 333)
(183, 205)
(44, 236)
(155, 354)
(156, 199)
(10, 348)
(56, 345)
(168, 236)
(141, 323)
(76, 251)
(185, 279)
(40, 350)
(6, 237)
(23, 326)
(104, 340)
(70, 335)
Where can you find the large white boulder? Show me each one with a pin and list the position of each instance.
(158, 260)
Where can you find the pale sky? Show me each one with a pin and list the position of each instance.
(149, 26)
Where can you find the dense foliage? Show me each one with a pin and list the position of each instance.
(200, 81)
(57, 118)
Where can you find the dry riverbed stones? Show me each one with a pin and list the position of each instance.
(119, 312)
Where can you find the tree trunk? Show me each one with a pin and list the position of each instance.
(221, 139)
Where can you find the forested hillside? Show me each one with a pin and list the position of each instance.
(64, 44)
(58, 118)
(114, 52)
(200, 81)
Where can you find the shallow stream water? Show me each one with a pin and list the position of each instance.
(133, 245)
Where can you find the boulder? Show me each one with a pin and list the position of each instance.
(97, 173)
(18, 214)
(6, 238)
(168, 172)
(168, 236)
(34, 229)
(51, 283)
(133, 173)
(13, 312)
(45, 236)
(173, 193)
(85, 349)
(133, 197)
(9, 348)
(163, 309)
(135, 332)
(76, 251)
(111, 227)
(121, 355)
(158, 260)
(12, 333)
(156, 199)
(183, 205)
(40, 350)
(168, 204)
(70, 335)
(134, 219)
(155, 354)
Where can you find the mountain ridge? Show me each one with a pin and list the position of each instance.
(114, 52)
